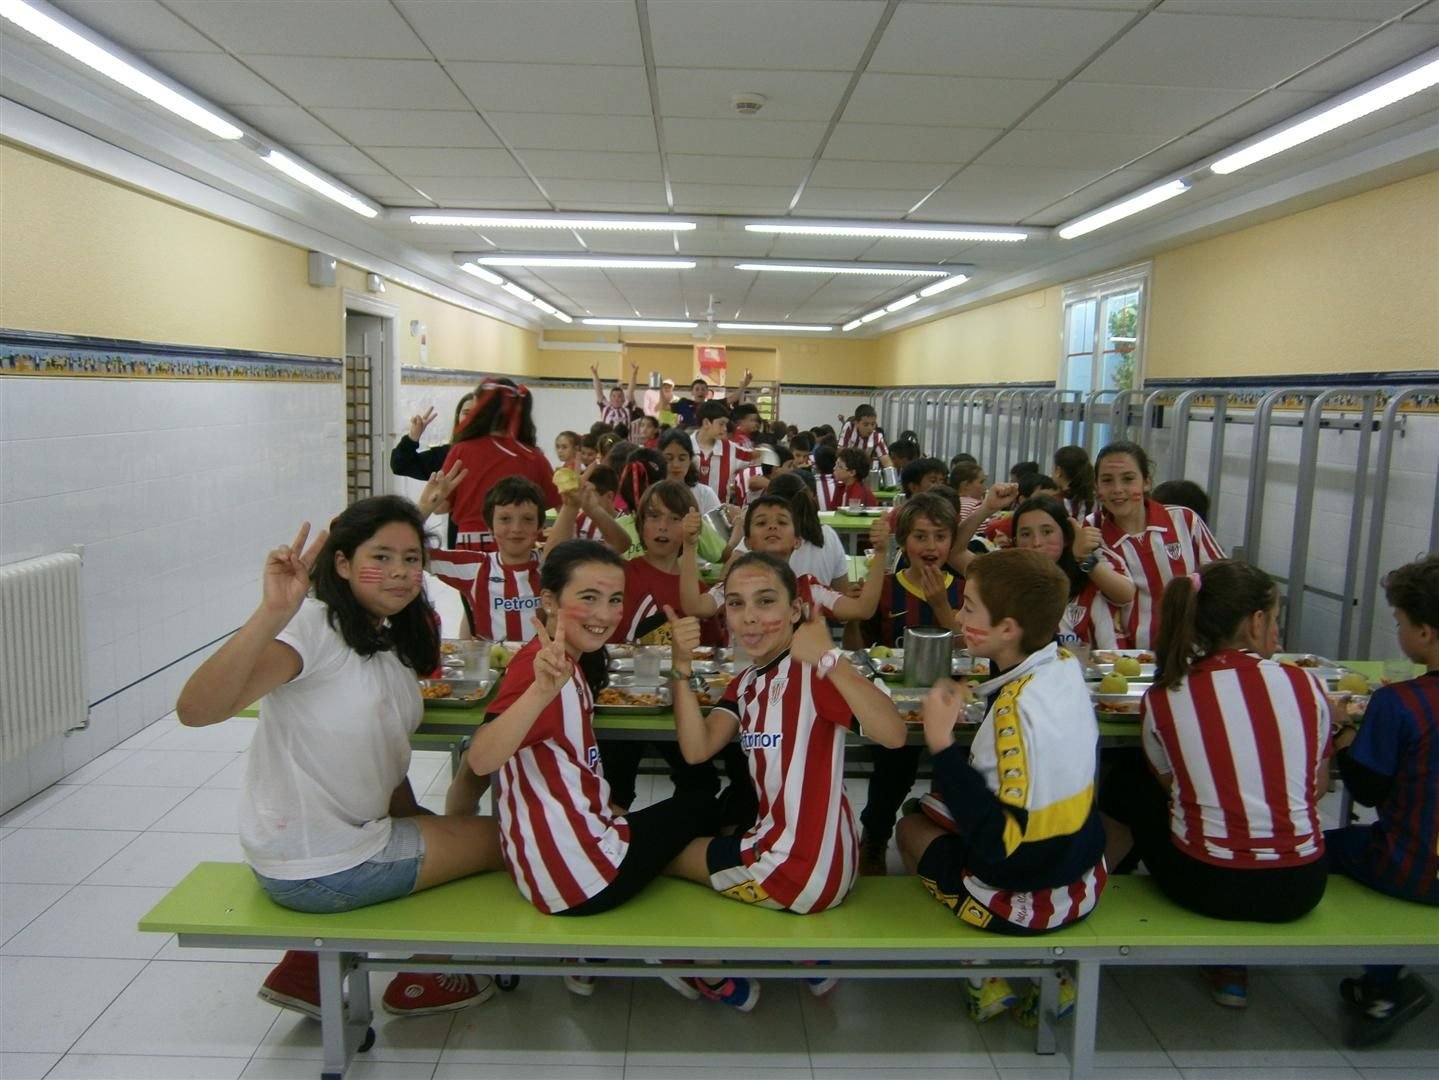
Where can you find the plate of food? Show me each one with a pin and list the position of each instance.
(971, 666)
(453, 693)
(1328, 670)
(620, 652)
(864, 511)
(632, 700)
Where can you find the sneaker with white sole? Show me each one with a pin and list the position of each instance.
(987, 998)
(294, 984)
(423, 993)
(741, 994)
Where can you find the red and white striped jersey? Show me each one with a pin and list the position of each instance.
(1175, 542)
(612, 415)
(1244, 739)
(812, 592)
(802, 849)
(560, 841)
(586, 528)
(1090, 619)
(503, 599)
(740, 493)
(719, 464)
(827, 491)
(873, 443)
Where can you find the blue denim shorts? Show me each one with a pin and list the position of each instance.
(391, 873)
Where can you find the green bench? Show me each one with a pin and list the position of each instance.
(887, 928)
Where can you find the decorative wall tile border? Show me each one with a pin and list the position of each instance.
(59, 356)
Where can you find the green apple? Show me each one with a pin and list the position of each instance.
(1114, 684)
(1126, 665)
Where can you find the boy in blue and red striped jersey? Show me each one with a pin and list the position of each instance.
(1391, 762)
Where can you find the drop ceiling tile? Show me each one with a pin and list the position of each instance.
(732, 199)
(361, 84)
(337, 158)
(1217, 52)
(381, 187)
(890, 175)
(808, 35)
(942, 100)
(410, 127)
(473, 189)
(490, 201)
(1371, 10)
(850, 201)
(1427, 14)
(996, 194)
(1001, 42)
(554, 88)
(1182, 154)
(728, 242)
(748, 137)
(288, 125)
(718, 169)
(1069, 149)
(792, 95)
(632, 243)
(581, 194)
(429, 161)
(930, 251)
(368, 28)
(138, 25)
(1374, 55)
(825, 248)
(1167, 111)
(907, 142)
(590, 165)
(522, 31)
(557, 131)
(1109, 5)
(1262, 112)
(221, 79)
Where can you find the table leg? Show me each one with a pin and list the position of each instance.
(333, 1034)
(1086, 1019)
(1044, 1040)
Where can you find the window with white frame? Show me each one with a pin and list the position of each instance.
(1104, 332)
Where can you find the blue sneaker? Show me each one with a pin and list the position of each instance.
(741, 994)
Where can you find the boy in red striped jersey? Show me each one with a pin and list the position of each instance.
(717, 456)
(862, 432)
(1011, 841)
(1391, 762)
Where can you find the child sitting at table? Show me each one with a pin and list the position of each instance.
(827, 491)
(851, 468)
(603, 484)
(1011, 841)
(1391, 762)
(790, 709)
(717, 456)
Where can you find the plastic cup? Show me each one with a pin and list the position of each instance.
(648, 660)
(1398, 670)
(855, 506)
(1081, 653)
(475, 657)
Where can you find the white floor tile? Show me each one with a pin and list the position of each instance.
(521, 1071)
(895, 1072)
(208, 810)
(135, 1066)
(666, 1030)
(1399, 1074)
(231, 776)
(19, 904)
(1414, 1046)
(36, 805)
(148, 734)
(719, 1072)
(164, 858)
(865, 1023)
(96, 806)
(49, 1002)
(92, 770)
(168, 768)
(57, 856)
(185, 1009)
(361, 1068)
(540, 1023)
(1143, 1073)
(408, 1038)
(234, 734)
(92, 920)
(26, 1066)
(1232, 1072)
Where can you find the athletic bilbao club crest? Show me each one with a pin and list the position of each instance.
(1173, 550)
(776, 690)
(1074, 614)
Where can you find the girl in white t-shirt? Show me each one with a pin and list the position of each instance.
(328, 820)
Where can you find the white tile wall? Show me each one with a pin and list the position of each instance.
(175, 490)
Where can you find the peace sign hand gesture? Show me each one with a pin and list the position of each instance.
(435, 498)
(286, 577)
(553, 666)
(418, 423)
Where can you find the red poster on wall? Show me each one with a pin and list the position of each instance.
(712, 363)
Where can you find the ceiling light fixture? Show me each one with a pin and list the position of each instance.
(809, 329)
(481, 273)
(604, 262)
(317, 183)
(995, 234)
(516, 290)
(673, 324)
(902, 303)
(843, 268)
(847, 327)
(500, 220)
(1391, 89)
(51, 30)
(510, 287)
(943, 286)
(1130, 206)
(871, 316)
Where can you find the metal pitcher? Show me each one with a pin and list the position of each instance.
(720, 520)
(928, 653)
(654, 383)
(889, 477)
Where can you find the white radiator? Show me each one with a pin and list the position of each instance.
(42, 652)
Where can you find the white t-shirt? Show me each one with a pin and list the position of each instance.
(330, 749)
(706, 498)
(824, 563)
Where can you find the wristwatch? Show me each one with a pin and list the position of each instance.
(827, 663)
(1089, 562)
(693, 680)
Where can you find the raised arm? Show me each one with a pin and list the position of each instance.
(700, 737)
(634, 379)
(692, 597)
(564, 524)
(613, 532)
(599, 386)
(496, 741)
(996, 499)
(735, 396)
(1117, 588)
(878, 719)
(862, 607)
(438, 491)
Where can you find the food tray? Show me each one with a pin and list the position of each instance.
(624, 708)
(864, 511)
(1118, 706)
(1328, 670)
(464, 693)
(1098, 671)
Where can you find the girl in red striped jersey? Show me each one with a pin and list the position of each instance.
(1228, 824)
(1158, 543)
(790, 709)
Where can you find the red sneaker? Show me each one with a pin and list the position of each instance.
(294, 984)
(419, 994)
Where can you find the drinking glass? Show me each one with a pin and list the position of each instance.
(1398, 669)
(648, 660)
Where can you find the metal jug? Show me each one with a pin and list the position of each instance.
(654, 380)
(928, 653)
(720, 520)
(889, 478)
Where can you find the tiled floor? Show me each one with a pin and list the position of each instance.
(83, 994)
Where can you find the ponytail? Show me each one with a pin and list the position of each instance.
(1201, 614)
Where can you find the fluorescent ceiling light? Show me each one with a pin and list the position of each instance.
(902, 302)
(675, 324)
(843, 268)
(515, 290)
(317, 183)
(53, 32)
(774, 326)
(608, 262)
(544, 305)
(499, 220)
(481, 273)
(1132, 205)
(1386, 93)
(869, 318)
(902, 232)
(557, 313)
(943, 286)
(847, 327)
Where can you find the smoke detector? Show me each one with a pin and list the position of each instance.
(747, 104)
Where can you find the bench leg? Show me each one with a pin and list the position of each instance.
(344, 1025)
(1044, 1039)
(1086, 1019)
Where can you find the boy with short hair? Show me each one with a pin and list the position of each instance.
(604, 482)
(1391, 762)
(862, 432)
(827, 493)
(744, 423)
(1011, 839)
(717, 457)
(851, 468)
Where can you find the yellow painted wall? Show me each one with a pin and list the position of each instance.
(817, 361)
(1014, 340)
(1349, 286)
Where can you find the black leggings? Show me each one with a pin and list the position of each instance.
(621, 760)
(889, 785)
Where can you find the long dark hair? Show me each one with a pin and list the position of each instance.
(778, 567)
(1134, 450)
(414, 632)
(1078, 476)
(555, 573)
(642, 468)
(675, 437)
(1048, 504)
(802, 505)
(1196, 620)
(502, 407)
